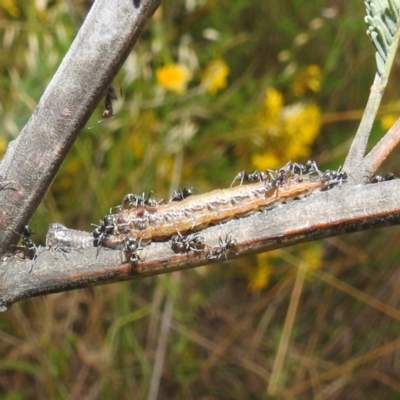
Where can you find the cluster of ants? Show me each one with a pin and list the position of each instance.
(182, 244)
(107, 225)
(179, 243)
(134, 200)
(194, 241)
(294, 171)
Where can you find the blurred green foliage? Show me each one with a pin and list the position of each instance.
(209, 90)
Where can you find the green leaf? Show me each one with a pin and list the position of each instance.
(383, 23)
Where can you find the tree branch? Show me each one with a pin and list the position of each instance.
(33, 159)
(360, 141)
(340, 210)
(378, 154)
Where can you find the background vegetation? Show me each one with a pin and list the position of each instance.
(212, 88)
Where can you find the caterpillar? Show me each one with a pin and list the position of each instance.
(196, 212)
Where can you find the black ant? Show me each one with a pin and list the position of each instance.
(135, 200)
(331, 178)
(131, 246)
(256, 176)
(28, 247)
(379, 178)
(225, 247)
(184, 244)
(299, 169)
(107, 226)
(110, 96)
(294, 170)
(311, 167)
(28, 243)
(281, 177)
(181, 194)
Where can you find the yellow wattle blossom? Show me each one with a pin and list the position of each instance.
(173, 77)
(273, 103)
(260, 279)
(10, 7)
(266, 160)
(387, 121)
(309, 255)
(301, 124)
(307, 79)
(288, 130)
(312, 255)
(259, 276)
(214, 76)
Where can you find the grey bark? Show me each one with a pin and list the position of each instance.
(340, 210)
(33, 159)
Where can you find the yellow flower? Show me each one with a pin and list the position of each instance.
(214, 75)
(302, 123)
(387, 121)
(10, 7)
(273, 103)
(307, 79)
(267, 160)
(289, 131)
(312, 255)
(173, 77)
(260, 276)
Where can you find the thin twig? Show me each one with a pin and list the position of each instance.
(378, 154)
(360, 142)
